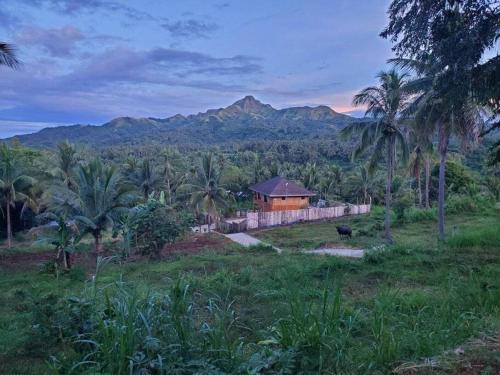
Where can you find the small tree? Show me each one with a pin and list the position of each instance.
(14, 186)
(206, 193)
(60, 233)
(96, 200)
(154, 225)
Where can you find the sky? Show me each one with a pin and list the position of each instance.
(89, 61)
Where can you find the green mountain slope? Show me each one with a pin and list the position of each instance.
(245, 120)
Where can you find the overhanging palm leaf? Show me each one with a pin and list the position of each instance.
(8, 56)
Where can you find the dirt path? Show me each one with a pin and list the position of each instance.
(247, 240)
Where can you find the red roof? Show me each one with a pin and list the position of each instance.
(281, 187)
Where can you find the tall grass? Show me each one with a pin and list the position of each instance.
(487, 237)
(133, 333)
(255, 312)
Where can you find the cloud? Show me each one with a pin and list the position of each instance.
(190, 28)
(72, 7)
(159, 66)
(123, 81)
(221, 5)
(57, 42)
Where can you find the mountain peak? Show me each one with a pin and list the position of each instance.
(251, 105)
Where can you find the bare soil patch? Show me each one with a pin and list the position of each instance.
(35, 259)
(197, 243)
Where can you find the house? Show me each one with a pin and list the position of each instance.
(279, 194)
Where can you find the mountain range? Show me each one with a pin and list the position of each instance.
(247, 119)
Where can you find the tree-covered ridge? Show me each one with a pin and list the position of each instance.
(246, 119)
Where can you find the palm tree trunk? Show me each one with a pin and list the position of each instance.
(9, 226)
(419, 189)
(427, 181)
(67, 259)
(208, 223)
(388, 188)
(97, 242)
(443, 149)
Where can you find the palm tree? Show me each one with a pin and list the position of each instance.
(310, 176)
(421, 136)
(382, 129)
(14, 186)
(173, 178)
(98, 198)
(450, 39)
(206, 193)
(415, 169)
(66, 162)
(61, 233)
(8, 56)
(145, 177)
(365, 180)
(331, 180)
(439, 106)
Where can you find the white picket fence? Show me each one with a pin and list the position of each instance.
(268, 219)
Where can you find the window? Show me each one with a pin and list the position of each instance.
(283, 198)
(302, 197)
(258, 195)
(265, 198)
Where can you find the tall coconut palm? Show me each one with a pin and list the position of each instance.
(66, 162)
(437, 107)
(415, 170)
(8, 56)
(15, 186)
(381, 132)
(365, 180)
(98, 198)
(206, 193)
(421, 137)
(310, 176)
(145, 177)
(451, 37)
(173, 175)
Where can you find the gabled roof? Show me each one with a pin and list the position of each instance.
(281, 187)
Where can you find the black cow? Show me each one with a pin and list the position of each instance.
(344, 231)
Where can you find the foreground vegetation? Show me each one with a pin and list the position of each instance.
(231, 310)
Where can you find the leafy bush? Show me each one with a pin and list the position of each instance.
(154, 225)
(376, 254)
(417, 215)
(464, 203)
(402, 203)
(458, 179)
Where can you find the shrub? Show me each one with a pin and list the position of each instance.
(463, 203)
(416, 215)
(376, 254)
(402, 204)
(154, 225)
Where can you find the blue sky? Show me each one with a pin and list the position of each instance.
(90, 61)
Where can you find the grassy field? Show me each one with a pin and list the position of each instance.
(234, 310)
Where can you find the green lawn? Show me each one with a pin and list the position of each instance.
(404, 304)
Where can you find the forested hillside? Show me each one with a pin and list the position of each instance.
(246, 119)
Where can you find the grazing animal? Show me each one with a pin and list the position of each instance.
(344, 231)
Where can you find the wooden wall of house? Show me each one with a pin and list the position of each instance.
(267, 204)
